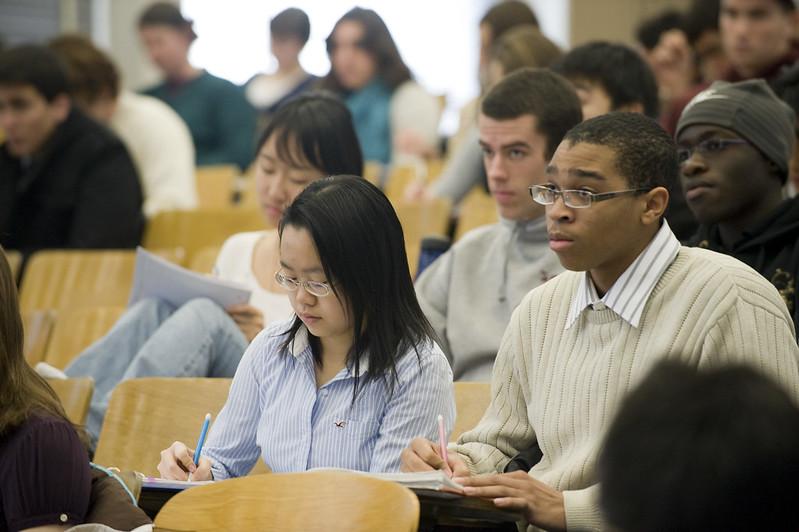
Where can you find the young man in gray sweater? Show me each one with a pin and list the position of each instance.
(632, 296)
(469, 293)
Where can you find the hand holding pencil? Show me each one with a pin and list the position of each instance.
(178, 462)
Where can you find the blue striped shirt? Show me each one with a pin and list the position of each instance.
(275, 410)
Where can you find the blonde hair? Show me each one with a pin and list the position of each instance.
(524, 46)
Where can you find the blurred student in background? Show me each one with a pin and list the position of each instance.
(65, 180)
(156, 137)
(518, 47)
(288, 32)
(395, 118)
(221, 121)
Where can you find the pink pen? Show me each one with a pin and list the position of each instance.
(442, 444)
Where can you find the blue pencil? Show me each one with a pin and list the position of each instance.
(201, 440)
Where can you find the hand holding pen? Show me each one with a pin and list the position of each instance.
(178, 462)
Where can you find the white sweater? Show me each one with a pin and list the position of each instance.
(162, 150)
(561, 387)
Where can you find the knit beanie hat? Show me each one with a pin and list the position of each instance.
(750, 109)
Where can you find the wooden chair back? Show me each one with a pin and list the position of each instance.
(14, 259)
(471, 402)
(476, 209)
(77, 329)
(204, 259)
(75, 395)
(37, 326)
(77, 278)
(200, 228)
(146, 415)
(422, 219)
(289, 502)
(215, 185)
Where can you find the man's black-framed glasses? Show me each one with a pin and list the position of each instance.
(707, 146)
(576, 199)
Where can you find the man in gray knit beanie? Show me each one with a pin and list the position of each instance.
(735, 141)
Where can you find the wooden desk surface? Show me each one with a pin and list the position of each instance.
(440, 511)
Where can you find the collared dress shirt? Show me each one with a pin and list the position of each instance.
(629, 293)
(276, 411)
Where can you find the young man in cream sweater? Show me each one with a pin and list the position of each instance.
(577, 344)
(487, 272)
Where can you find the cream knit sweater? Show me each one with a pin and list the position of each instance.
(562, 387)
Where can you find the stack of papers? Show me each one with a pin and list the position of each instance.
(175, 485)
(158, 278)
(425, 480)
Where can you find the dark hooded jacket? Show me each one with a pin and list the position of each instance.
(771, 248)
(81, 191)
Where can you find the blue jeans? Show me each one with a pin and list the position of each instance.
(153, 339)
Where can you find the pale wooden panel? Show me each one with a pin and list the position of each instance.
(422, 219)
(215, 185)
(204, 259)
(75, 396)
(477, 209)
(196, 229)
(315, 500)
(77, 278)
(614, 20)
(471, 401)
(37, 326)
(373, 172)
(146, 415)
(14, 261)
(77, 329)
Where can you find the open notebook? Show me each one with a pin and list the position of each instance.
(427, 480)
(424, 480)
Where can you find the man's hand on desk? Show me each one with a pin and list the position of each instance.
(423, 455)
(540, 504)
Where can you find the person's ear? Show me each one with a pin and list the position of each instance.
(61, 106)
(656, 201)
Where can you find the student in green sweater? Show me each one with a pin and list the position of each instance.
(632, 296)
(221, 121)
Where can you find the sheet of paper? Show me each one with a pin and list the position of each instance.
(424, 480)
(166, 484)
(158, 278)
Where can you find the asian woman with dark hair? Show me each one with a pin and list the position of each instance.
(309, 138)
(354, 375)
(395, 118)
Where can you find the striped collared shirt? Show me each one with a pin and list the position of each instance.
(276, 411)
(629, 294)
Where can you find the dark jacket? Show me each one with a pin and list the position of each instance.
(772, 248)
(80, 191)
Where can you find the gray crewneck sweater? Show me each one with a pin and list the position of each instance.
(469, 293)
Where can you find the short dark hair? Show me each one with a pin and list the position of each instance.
(362, 249)
(320, 125)
(714, 450)
(376, 41)
(650, 30)
(702, 16)
(90, 72)
(506, 15)
(36, 66)
(291, 22)
(540, 93)
(167, 14)
(618, 69)
(645, 154)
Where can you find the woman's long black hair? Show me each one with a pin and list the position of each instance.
(362, 249)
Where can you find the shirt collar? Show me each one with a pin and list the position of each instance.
(301, 343)
(629, 294)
